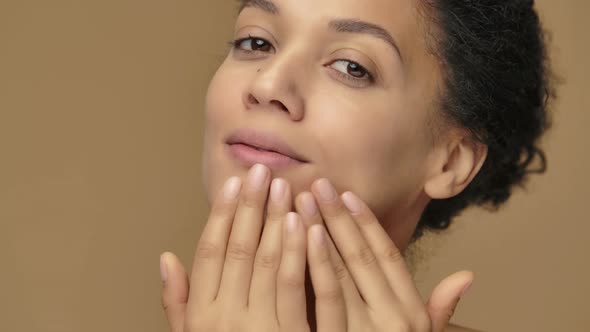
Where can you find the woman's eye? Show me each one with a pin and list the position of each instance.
(352, 70)
(252, 44)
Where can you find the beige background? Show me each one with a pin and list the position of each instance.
(100, 112)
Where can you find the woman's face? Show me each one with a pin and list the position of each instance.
(347, 85)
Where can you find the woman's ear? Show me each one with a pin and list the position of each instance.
(457, 165)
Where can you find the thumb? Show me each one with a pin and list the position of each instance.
(445, 297)
(175, 287)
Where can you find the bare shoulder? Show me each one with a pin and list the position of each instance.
(457, 328)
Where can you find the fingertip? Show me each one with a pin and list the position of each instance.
(468, 277)
(446, 296)
(451, 289)
(292, 221)
(163, 267)
(172, 271)
(317, 235)
(460, 280)
(174, 295)
(317, 242)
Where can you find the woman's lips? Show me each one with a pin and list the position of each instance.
(251, 146)
(248, 156)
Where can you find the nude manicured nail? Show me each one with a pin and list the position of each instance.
(309, 206)
(317, 233)
(464, 291)
(292, 222)
(351, 202)
(163, 269)
(277, 189)
(257, 175)
(326, 190)
(232, 187)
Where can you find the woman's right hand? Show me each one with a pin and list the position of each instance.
(239, 283)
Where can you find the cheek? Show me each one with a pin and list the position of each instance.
(222, 99)
(379, 157)
(220, 94)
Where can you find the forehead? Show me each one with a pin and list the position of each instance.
(381, 11)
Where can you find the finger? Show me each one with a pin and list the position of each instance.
(388, 255)
(268, 257)
(291, 301)
(175, 288)
(445, 297)
(330, 306)
(357, 254)
(244, 238)
(210, 253)
(306, 207)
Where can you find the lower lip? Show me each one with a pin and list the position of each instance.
(248, 156)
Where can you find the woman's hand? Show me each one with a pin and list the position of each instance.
(238, 283)
(339, 305)
(359, 277)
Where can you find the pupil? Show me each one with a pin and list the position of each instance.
(258, 44)
(355, 68)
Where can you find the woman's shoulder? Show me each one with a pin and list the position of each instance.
(457, 328)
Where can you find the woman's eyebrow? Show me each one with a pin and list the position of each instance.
(338, 25)
(265, 5)
(358, 26)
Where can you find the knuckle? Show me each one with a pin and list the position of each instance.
(226, 325)
(339, 209)
(340, 271)
(364, 221)
(251, 200)
(274, 216)
(165, 305)
(208, 250)
(267, 261)
(239, 252)
(450, 312)
(362, 256)
(403, 325)
(422, 322)
(221, 208)
(330, 296)
(323, 257)
(198, 324)
(291, 281)
(392, 254)
(194, 324)
(333, 211)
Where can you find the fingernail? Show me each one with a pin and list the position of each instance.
(309, 207)
(163, 269)
(317, 233)
(232, 188)
(326, 190)
(277, 189)
(292, 222)
(257, 176)
(464, 291)
(351, 202)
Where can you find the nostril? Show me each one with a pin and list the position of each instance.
(281, 105)
(252, 99)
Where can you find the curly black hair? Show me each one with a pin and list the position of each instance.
(497, 85)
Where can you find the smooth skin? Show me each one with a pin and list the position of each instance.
(244, 281)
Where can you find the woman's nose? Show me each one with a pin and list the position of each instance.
(276, 87)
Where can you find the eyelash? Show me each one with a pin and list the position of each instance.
(370, 77)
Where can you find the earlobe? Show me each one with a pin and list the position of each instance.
(460, 164)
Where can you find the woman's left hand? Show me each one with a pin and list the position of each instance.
(360, 278)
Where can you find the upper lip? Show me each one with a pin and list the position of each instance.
(263, 140)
